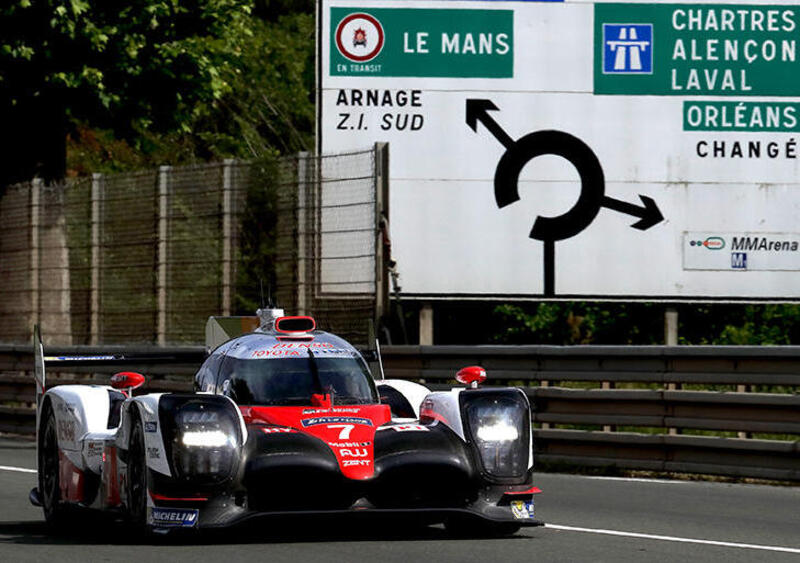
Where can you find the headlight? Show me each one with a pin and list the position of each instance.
(203, 438)
(497, 432)
(206, 439)
(499, 424)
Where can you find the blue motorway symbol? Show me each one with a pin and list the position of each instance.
(627, 48)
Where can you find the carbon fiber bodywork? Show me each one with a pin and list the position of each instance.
(426, 476)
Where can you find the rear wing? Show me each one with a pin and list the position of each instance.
(221, 329)
(109, 358)
(38, 374)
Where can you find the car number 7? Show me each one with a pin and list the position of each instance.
(346, 429)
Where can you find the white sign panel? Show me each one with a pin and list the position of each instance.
(574, 149)
(741, 251)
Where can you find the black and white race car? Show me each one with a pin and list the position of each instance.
(285, 420)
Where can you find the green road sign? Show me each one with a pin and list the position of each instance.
(422, 42)
(696, 50)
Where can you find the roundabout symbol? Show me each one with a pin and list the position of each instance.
(592, 194)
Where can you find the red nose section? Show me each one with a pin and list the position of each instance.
(349, 431)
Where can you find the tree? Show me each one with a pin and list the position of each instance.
(269, 106)
(141, 66)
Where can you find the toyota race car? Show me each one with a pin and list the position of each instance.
(285, 420)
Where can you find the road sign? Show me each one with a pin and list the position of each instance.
(527, 138)
(592, 187)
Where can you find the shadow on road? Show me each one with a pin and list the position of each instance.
(105, 532)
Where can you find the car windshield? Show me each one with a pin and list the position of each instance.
(291, 381)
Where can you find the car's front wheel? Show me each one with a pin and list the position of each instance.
(49, 469)
(137, 476)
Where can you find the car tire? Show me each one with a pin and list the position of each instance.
(50, 470)
(136, 476)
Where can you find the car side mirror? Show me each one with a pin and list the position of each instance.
(321, 400)
(127, 381)
(472, 376)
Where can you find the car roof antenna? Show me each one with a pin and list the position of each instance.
(261, 284)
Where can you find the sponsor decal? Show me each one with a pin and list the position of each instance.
(66, 430)
(300, 350)
(336, 420)
(150, 426)
(352, 462)
(349, 444)
(174, 517)
(711, 243)
(278, 430)
(354, 452)
(94, 449)
(409, 428)
(739, 260)
(66, 408)
(303, 345)
(153, 453)
(77, 358)
(522, 508)
(334, 410)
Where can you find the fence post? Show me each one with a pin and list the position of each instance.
(94, 289)
(302, 229)
(163, 234)
(608, 385)
(35, 195)
(381, 220)
(744, 389)
(426, 325)
(671, 339)
(227, 234)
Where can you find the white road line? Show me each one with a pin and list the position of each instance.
(675, 539)
(637, 479)
(18, 469)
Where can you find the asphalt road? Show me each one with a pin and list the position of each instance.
(589, 519)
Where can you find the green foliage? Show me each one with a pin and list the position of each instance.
(139, 83)
(576, 323)
(148, 63)
(765, 325)
(257, 251)
(269, 106)
(566, 323)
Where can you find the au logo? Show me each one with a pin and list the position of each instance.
(359, 37)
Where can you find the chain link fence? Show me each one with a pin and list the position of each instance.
(148, 256)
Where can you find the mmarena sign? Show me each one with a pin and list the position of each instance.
(576, 150)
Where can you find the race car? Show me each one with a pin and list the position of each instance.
(285, 420)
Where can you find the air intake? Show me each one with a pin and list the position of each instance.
(295, 325)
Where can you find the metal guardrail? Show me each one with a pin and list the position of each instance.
(707, 365)
(665, 410)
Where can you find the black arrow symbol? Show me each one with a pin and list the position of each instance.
(648, 213)
(478, 110)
